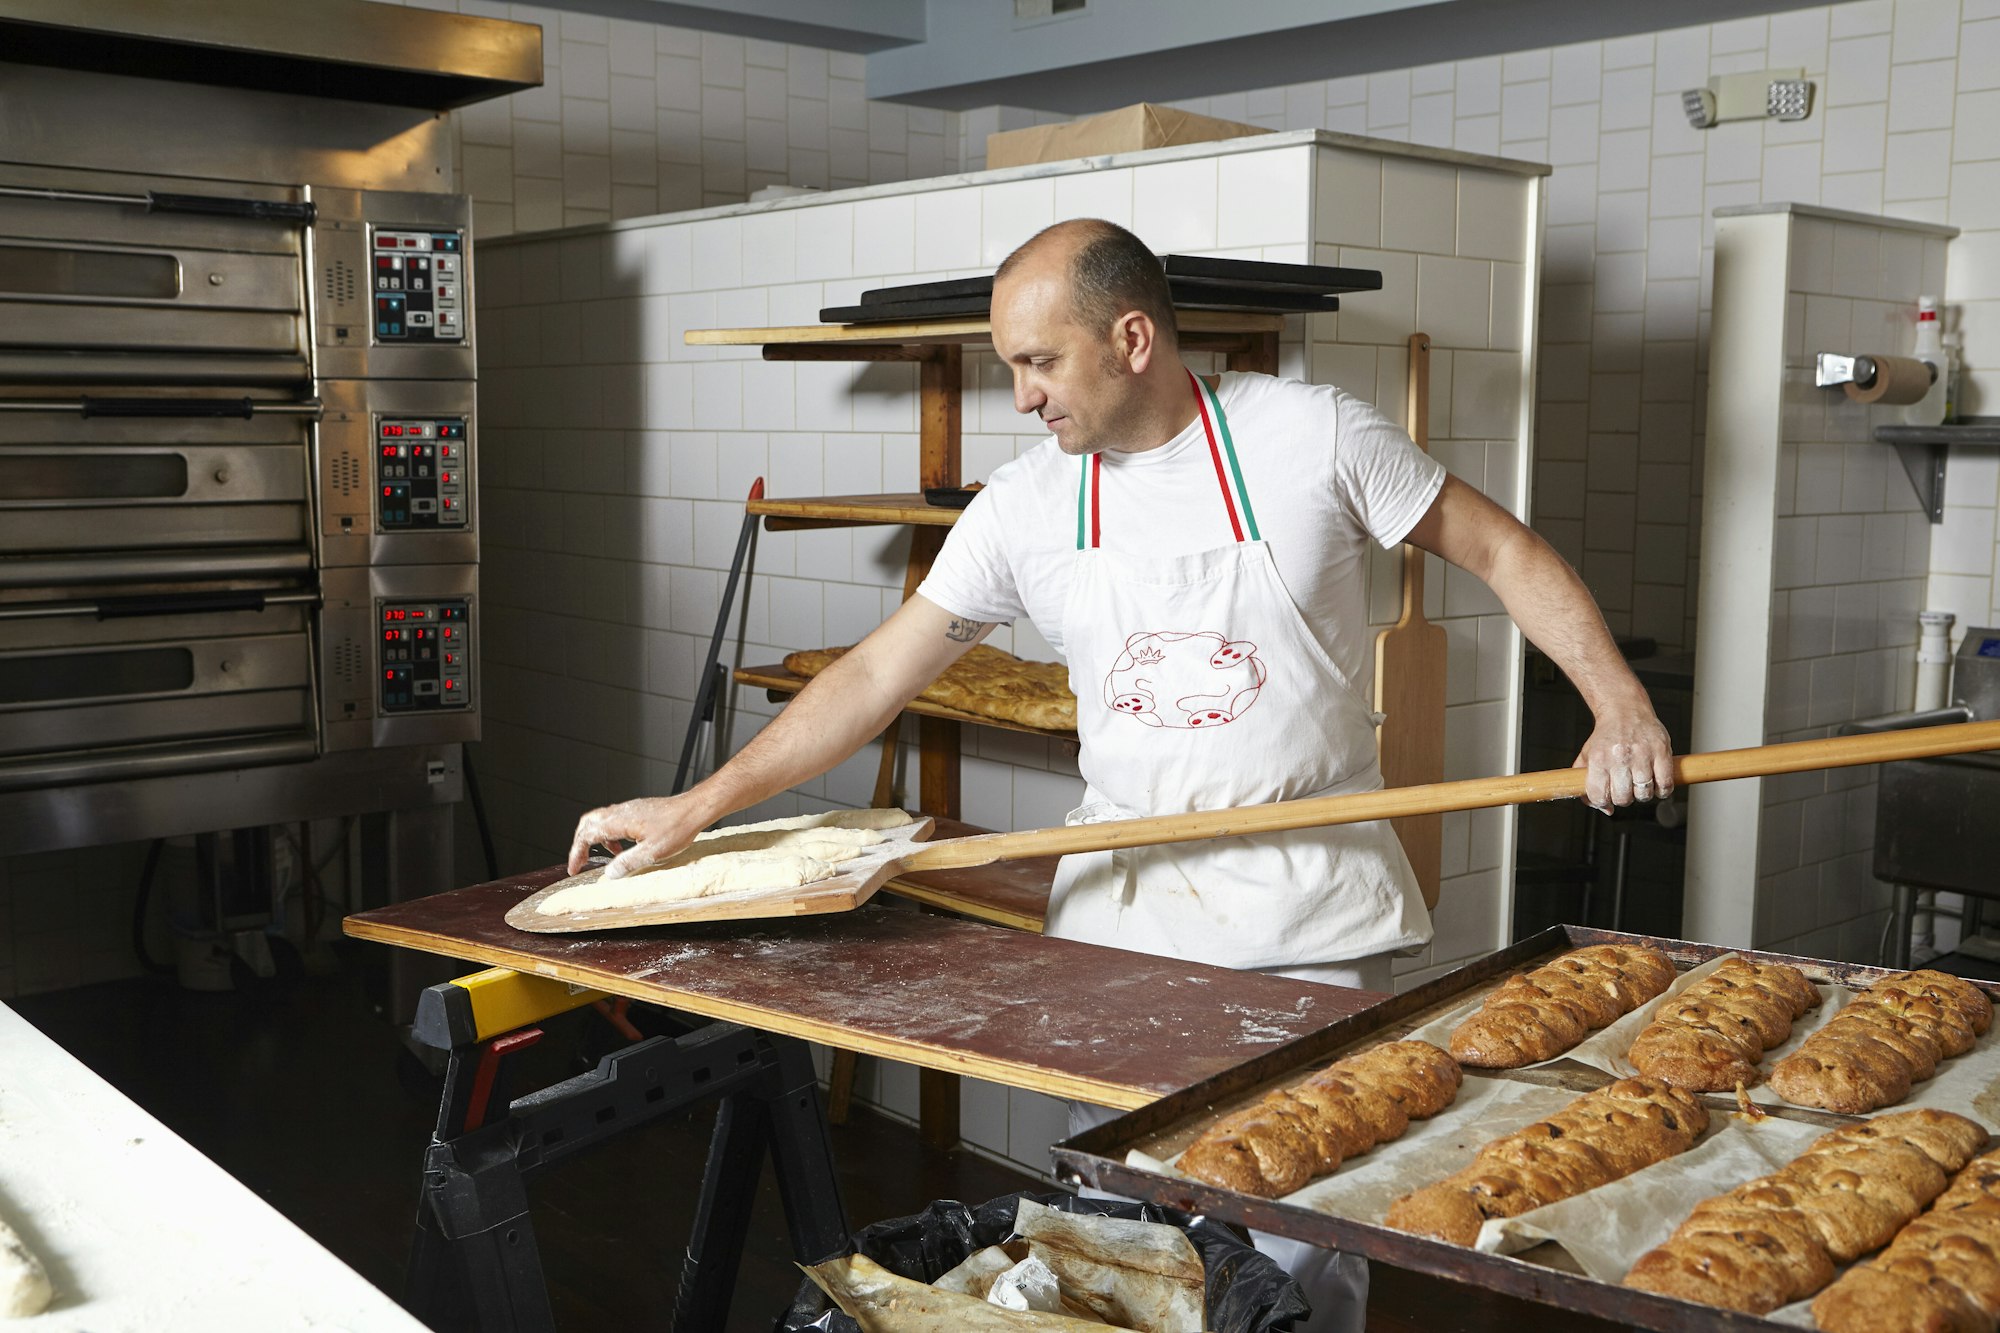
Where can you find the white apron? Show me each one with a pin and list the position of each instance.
(1199, 686)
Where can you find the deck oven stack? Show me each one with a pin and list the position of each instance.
(239, 446)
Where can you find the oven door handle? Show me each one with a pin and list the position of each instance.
(161, 201)
(89, 405)
(217, 206)
(160, 604)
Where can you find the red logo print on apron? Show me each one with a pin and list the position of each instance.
(1171, 679)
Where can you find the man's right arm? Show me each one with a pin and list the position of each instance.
(845, 707)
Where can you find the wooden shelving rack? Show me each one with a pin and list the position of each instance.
(997, 893)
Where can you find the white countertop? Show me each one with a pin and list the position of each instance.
(1255, 143)
(139, 1231)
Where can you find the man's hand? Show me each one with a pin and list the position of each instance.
(1630, 758)
(656, 826)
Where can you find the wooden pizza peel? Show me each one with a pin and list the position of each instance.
(1409, 675)
(907, 849)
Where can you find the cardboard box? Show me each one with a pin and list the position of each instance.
(1126, 130)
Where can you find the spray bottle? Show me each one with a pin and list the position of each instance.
(1928, 410)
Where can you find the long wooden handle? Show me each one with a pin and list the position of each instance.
(1435, 798)
(1417, 409)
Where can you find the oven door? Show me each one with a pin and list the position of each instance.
(109, 496)
(133, 280)
(154, 685)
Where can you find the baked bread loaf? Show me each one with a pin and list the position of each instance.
(1779, 1238)
(1282, 1142)
(1598, 1138)
(1940, 1275)
(986, 682)
(1710, 1037)
(1540, 1014)
(1890, 1036)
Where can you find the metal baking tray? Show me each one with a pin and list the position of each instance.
(1097, 1157)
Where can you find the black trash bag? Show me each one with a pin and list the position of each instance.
(1247, 1291)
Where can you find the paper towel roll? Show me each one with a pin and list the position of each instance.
(1898, 380)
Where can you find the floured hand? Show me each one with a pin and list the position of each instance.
(1630, 758)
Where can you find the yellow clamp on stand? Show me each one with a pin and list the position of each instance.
(486, 1004)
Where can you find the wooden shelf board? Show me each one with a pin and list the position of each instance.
(842, 510)
(780, 681)
(950, 330)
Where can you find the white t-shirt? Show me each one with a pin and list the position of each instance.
(1325, 473)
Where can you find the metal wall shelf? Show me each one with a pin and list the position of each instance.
(1923, 451)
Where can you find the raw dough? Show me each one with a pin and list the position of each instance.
(776, 854)
(24, 1285)
(829, 844)
(706, 878)
(875, 819)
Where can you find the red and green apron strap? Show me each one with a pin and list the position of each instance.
(1206, 400)
(1090, 476)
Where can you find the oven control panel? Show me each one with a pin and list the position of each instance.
(419, 286)
(426, 662)
(420, 473)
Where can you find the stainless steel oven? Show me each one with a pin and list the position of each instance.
(238, 461)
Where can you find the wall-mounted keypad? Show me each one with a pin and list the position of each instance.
(420, 473)
(426, 655)
(419, 286)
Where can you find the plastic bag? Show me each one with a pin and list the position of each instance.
(1247, 1291)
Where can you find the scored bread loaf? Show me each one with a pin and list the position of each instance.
(1282, 1142)
(986, 682)
(1779, 1238)
(1888, 1038)
(1600, 1137)
(1710, 1037)
(1540, 1014)
(1940, 1275)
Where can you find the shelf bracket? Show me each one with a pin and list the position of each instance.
(1924, 463)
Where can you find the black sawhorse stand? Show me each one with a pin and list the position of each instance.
(474, 1264)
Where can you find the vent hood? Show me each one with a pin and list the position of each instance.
(352, 50)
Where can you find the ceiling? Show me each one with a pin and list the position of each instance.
(958, 54)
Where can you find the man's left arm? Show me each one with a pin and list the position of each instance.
(1629, 754)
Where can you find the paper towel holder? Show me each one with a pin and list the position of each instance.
(1832, 370)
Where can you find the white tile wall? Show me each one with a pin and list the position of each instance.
(639, 118)
(1850, 577)
(1907, 122)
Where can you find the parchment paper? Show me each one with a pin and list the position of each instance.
(1968, 1084)
(1605, 1048)
(1364, 1187)
(1608, 1228)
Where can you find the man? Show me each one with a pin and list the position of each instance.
(1196, 550)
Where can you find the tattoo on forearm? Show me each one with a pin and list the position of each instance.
(963, 631)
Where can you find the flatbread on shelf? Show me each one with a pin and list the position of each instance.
(986, 682)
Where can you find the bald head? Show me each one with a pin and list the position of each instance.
(1106, 270)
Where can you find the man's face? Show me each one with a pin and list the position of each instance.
(1069, 376)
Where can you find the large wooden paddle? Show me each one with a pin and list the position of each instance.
(882, 864)
(1409, 675)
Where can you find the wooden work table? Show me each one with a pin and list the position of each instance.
(1052, 1016)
